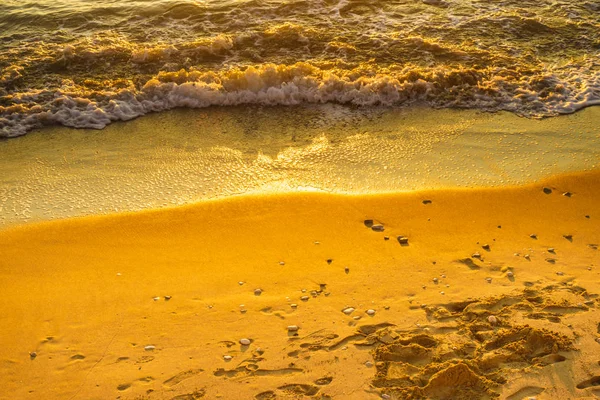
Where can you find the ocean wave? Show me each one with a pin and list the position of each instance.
(534, 95)
(86, 65)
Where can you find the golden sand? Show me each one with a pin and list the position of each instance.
(80, 294)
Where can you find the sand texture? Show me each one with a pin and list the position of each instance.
(475, 294)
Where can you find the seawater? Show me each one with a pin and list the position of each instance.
(188, 155)
(86, 64)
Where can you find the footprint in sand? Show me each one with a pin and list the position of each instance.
(174, 380)
(300, 389)
(198, 394)
(268, 395)
(594, 381)
(324, 381)
(526, 392)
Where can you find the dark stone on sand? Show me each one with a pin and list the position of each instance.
(533, 236)
(547, 190)
(567, 194)
(368, 223)
(403, 240)
(378, 228)
(329, 261)
(426, 201)
(568, 237)
(486, 247)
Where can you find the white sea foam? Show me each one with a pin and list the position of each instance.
(292, 85)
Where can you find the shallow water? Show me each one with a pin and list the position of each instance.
(182, 156)
(87, 64)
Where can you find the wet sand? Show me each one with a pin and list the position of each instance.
(184, 156)
(494, 295)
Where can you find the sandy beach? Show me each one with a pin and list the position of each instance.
(475, 293)
(277, 200)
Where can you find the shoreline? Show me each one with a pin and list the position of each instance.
(185, 156)
(80, 293)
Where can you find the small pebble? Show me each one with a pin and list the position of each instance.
(245, 342)
(386, 396)
(348, 310)
(294, 305)
(368, 364)
(167, 298)
(386, 238)
(402, 240)
(281, 262)
(567, 194)
(476, 255)
(327, 294)
(559, 273)
(259, 351)
(533, 236)
(589, 268)
(492, 320)
(386, 307)
(149, 347)
(442, 293)
(156, 298)
(257, 292)
(293, 328)
(426, 201)
(435, 280)
(347, 270)
(598, 340)
(568, 237)
(485, 247)
(356, 318)
(443, 276)
(488, 280)
(241, 283)
(329, 260)
(378, 228)
(227, 358)
(510, 274)
(547, 190)
(423, 305)
(526, 256)
(304, 298)
(32, 355)
(368, 223)
(370, 312)
(551, 250)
